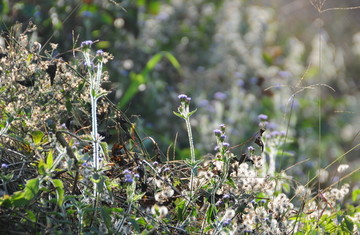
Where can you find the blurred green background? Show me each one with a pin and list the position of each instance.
(236, 59)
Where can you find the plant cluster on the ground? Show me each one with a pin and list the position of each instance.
(62, 173)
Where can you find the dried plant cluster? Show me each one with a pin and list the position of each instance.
(48, 177)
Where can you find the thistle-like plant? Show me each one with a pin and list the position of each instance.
(94, 66)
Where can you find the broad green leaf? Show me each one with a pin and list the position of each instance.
(59, 187)
(180, 208)
(355, 195)
(31, 188)
(135, 225)
(37, 136)
(17, 200)
(31, 215)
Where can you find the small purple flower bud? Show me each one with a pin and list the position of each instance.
(128, 178)
(222, 127)
(4, 165)
(226, 196)
(87, 43)
(222, 138)
(182, 97)
(262, 117)
(251, 149)
(226, 222)
(99, 52)
(275, 133)
(126, 171)
(155, 163)
(136, 175)
(226, 145)
(166, 169)
(85, 164)
(220, 95)
(216, 148)
(217, 132)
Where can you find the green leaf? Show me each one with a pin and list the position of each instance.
(31, 188)
(174, 62)
(135, 225)
(37, 136)
(31, 215)
(211, 214)
(17, 200)
(106, 216)
(49, 160)
(138, 197)
(180, 208)
(59, 188)
(347, 224)
(355, 194)
(179, 115)
(42, 167)
(192, 112)
(142, 78)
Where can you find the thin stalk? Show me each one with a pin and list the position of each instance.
(191, 141)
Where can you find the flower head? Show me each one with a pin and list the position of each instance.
(217, 132)
(4, 165)
(183, 97)
(262, 117)
(86, 44)
(100, 52)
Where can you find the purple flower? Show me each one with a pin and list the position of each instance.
(136, 175)
(262, 117)
(182, 97)
(220, 95)
(226, 196)
(226, 145)
(251, 149)
(222, 127)
(216, 148)
(128, 178)
(217, 132)
(126, 171)
(240, 82)
(284, 74)
(222, 137)
(4, 165)
(87, 43)
(226, 222)
(99, 52)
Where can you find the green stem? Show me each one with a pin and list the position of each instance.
(191, 142)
